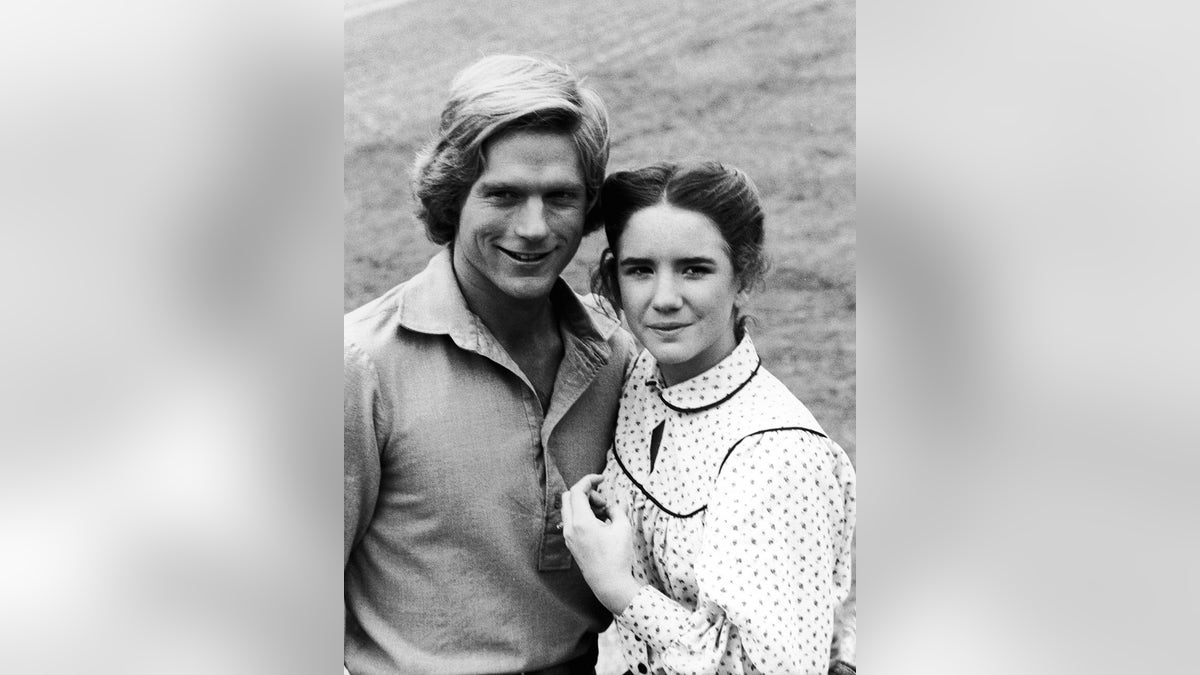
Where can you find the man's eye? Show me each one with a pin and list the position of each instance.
(567, 198)
(502, 195)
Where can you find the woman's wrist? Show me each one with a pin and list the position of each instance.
(617, 594)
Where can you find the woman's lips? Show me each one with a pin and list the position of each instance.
(667, 329)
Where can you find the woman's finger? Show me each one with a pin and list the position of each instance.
(581, 509)
(566, 510)
(589, 482)
(599, 505)
(618, 517)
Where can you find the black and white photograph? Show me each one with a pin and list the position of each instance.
(599, 337)
(608, 342)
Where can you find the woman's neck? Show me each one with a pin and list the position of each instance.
(711, 357)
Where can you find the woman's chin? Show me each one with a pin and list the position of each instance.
(666, 353)
(672, 358)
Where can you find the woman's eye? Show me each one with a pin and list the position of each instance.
(636, 271)
(696, 271)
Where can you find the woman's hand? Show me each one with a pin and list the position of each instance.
(603, 548)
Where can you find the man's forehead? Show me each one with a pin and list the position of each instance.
(522, 156)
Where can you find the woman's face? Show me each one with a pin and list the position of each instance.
(678, 289)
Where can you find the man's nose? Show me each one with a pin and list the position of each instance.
(531, 222)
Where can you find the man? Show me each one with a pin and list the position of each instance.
(478, 391)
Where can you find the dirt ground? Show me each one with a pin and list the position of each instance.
(766, 85)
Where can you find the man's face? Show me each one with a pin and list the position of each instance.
(522, 220)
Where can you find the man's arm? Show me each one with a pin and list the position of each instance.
(360, 448)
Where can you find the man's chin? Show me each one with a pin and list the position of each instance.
(528, 290)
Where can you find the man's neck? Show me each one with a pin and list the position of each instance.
(527, 330)
(513, 322)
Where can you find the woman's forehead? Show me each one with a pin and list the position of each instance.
(665, 231)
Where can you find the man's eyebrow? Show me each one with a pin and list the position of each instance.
(493, 184)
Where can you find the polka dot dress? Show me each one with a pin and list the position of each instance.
(742, 517)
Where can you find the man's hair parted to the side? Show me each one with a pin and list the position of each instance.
(495, 95)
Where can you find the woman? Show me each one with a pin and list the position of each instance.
(719, 534)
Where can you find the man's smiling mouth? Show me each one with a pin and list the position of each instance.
(525, 257)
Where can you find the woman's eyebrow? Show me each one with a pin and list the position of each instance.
(635, 261)
(683, 262)
(697, 260)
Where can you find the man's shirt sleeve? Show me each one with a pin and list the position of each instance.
(361, 446)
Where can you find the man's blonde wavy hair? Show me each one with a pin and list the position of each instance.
(493, 96)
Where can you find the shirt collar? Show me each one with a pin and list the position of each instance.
(433, 303)
(715, 385)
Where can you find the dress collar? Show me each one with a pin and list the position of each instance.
(715, 385)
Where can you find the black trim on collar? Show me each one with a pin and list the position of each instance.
(669, 512)
(714, 403)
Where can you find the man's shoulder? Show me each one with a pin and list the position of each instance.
(598, 304)
(419, 296)
(375, 323)
(608, 321)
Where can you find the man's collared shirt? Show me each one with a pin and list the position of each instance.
(454, 562)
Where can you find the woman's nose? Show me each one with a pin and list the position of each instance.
(666, 294)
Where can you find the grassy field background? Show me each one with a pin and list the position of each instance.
(766, 85)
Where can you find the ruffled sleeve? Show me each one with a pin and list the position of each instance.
(774, 563)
